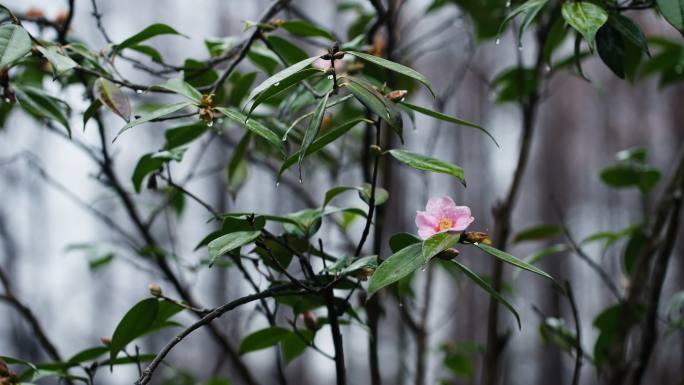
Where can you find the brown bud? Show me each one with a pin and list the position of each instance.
(207, 100)
(448, 254)
(326, 56)
(276, 23)
(397, 95)
(310, 320)
(106, 341)
(325, 123)
(476, 237)
(378, 48)
(376, 149)
(34, 13)
(155, 290)
(338, 55)
(61, 18)
(206, 114)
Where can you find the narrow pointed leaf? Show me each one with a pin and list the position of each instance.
(396, 67)
(280, 76)
(312, 129)
(438, 243)
(41, 104)
(447, 118)
(254, 126)
(228, 242)
(111, 96)
(483, 284)
(673, 11)
(91, 111)
(147, 33)
(511, 260)
(396, 267)
(305, 29)
(377, 103)
(320, 142)
(135, 323)
(157, 113)
(585, 17)
(289, 51)
(262, 339)
(15, 43)
(60, 62)
(180, 87)
(282, 86)
(426, 163)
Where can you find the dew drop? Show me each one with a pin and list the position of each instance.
(508, 3)
(330, 77)
(498, 41)
(277, 84)
(300, 180)
(247, 121)
(423, 269)
(547, 68)
(476, 243)
(7, 100)
(210, 124)
(401, 304)
(138, 92)
(389, 116)
(277, 184)
(520, 47)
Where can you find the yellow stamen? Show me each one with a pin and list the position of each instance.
(445, 224)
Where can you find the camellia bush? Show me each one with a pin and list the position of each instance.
(280, 97)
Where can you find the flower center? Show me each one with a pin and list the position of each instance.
(445, 224)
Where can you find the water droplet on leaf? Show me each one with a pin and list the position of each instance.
(498, 41)
(138, 92)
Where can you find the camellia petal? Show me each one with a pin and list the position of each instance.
(442, 215)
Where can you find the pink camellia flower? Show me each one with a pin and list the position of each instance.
(440, 215)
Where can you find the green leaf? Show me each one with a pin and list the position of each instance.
(148, 51)
(147, 33)
(263, 58)
(262, 339)
(111, 96)
(295, 344)
(396, 267)
(377, 103)
(608, 322)
(673, 11)
(253, 126)
(447, 118)
(399, 241)
(290, 52)
(146, 165)
(281, 87)
(305, 29)
(134, 324)
(91, 111)
(438, 243)
(396, 67)
(228, 242)
(505, 257)
(531, 8)
(60, 62)
(281, 76)
(585, 17)
(321, 142)
(15, 42)
(611, 49)
(237, 166)
(629, 30)
(198, 75)
(543, 253)
(43, 105)
(155, 114)
(536, 233)
(179, 136)
(628, 175)
(483, 284)
(240, 87)
(87, 355)
(426, 163)
(180, 87)
(312, 130)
